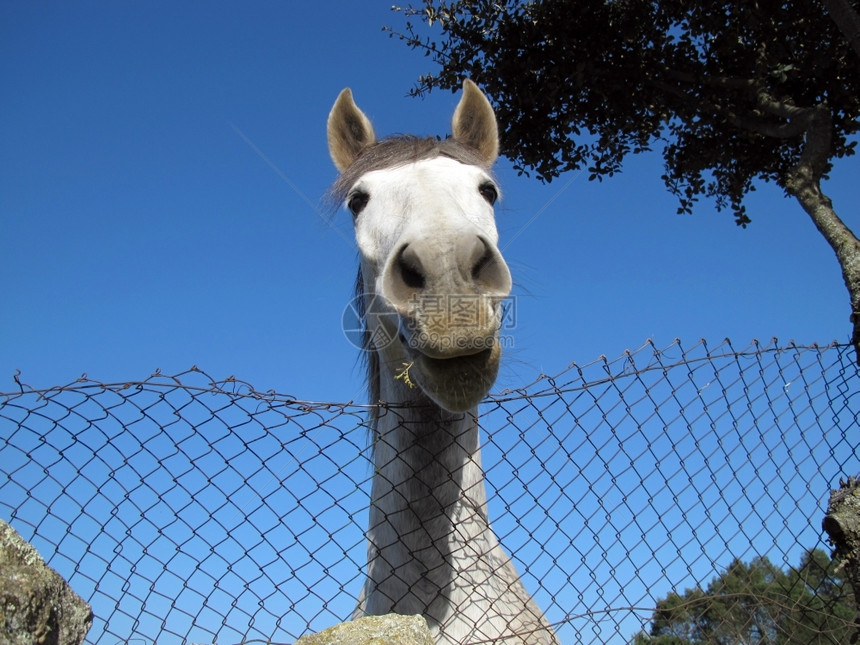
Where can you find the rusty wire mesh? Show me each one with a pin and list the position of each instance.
(191, 510)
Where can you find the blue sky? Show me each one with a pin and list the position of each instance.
(162, 170)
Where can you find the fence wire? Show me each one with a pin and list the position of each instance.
(191, 510)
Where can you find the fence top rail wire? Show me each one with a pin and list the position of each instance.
(543, 385)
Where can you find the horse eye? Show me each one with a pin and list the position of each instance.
(488, 192)
(356, 202)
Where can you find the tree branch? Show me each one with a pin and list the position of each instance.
(717, 82)
(846, 19)
(797, 117)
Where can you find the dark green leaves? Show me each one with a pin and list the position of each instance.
(758, 603)
(722, 88)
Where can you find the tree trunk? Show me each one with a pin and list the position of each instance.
(842, 525)
(804, 183)
(846, 19)
(843, 242)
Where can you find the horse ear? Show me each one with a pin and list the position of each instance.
(349, 131)
(474, 123)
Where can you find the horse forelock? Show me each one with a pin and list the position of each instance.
(393, 152)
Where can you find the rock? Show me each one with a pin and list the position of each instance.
(391, 629)
(37, 607)
(842, 525)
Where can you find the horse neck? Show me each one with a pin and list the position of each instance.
(428, 463)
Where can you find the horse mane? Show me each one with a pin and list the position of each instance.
(368, 355)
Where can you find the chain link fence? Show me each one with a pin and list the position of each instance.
(189, 510)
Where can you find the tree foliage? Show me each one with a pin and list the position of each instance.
(719, 82)
(757, 603)
(732, 93)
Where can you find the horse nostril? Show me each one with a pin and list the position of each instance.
(473, 255)
(486, 267)
(480, 263)
(481, 259)
(411, 278)
(411, 269)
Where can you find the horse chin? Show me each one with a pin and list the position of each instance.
(459, 383)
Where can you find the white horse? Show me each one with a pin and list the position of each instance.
(432, 281)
